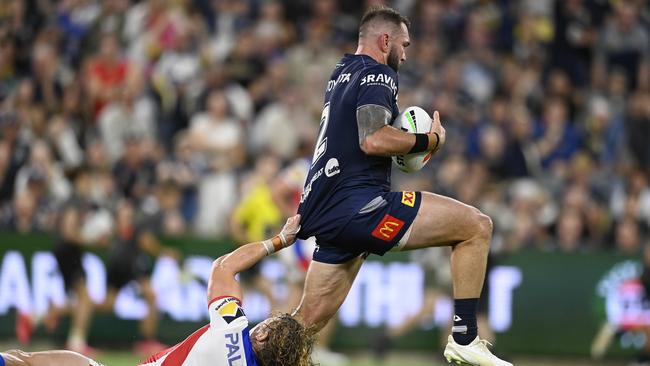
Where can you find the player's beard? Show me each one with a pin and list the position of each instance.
(393, 59)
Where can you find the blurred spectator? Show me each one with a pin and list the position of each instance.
(111, 19)
(50, 75)
(21, 216)
(65, 143)
(530, 212)
(165, 209)
(631, 198)
(255, 216)
(177, 83)
(341, 26)
(569, 231)
(575, 33)
(628, 237)
(271, 29)
(280, 126)
(68, 252)
(131, 259)
(135, 172)
(623, 42)
(74, 18)
(13, 153)
(184, 169)
(106, 74)
(557, 138)
(605, 137)
(219, 139)
(310, 57)
(131, 113)
(244, 64)
(638, 129)
(42, 167)
(225, 19)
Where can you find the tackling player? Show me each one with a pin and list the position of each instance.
(347, 203)
(227, 340)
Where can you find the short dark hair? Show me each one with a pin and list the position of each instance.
(289, 344)
(383, 13)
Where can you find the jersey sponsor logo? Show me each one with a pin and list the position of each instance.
(232, 344)
(380, 79)
(408, 198)
(388, 228)
(307, 191)
(332, 167)
(230, 310)
(343, 78)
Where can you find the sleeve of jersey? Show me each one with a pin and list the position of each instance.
(377, 85)
(226, 313)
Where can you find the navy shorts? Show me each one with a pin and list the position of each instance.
(376, 229)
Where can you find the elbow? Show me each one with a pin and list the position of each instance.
(370, 146)
(220, 266)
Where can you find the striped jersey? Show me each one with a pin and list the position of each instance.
(223, 342)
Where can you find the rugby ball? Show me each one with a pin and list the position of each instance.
(413, 120)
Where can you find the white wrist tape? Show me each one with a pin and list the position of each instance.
(268, 245)
(283, 239)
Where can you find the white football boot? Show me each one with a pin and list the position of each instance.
(475, 353)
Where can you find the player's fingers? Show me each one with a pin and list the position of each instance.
(436, 117)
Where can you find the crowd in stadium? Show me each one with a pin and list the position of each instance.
(189, 108)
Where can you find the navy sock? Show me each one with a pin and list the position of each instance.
(465, 330)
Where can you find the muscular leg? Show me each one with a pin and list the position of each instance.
(443, 221)
(326, 286)
(109, 301)
(46, 358)
(80, 317)
(149, 325)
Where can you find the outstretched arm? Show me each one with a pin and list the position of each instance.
(222, 279)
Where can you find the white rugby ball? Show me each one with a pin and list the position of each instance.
(413, 120)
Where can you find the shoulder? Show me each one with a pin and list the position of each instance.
(378, 75)
(226, 312)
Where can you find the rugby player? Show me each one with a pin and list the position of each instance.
(45, 358)
(347, 203)
(227, 340)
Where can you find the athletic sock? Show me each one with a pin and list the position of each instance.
(465, 330)
(76, 340)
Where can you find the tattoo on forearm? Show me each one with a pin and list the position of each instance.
(370, 118)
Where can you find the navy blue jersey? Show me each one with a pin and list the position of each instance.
(342, 178)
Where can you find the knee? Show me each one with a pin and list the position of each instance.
(484, 226)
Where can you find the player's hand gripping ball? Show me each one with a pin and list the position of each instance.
(413, 120)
